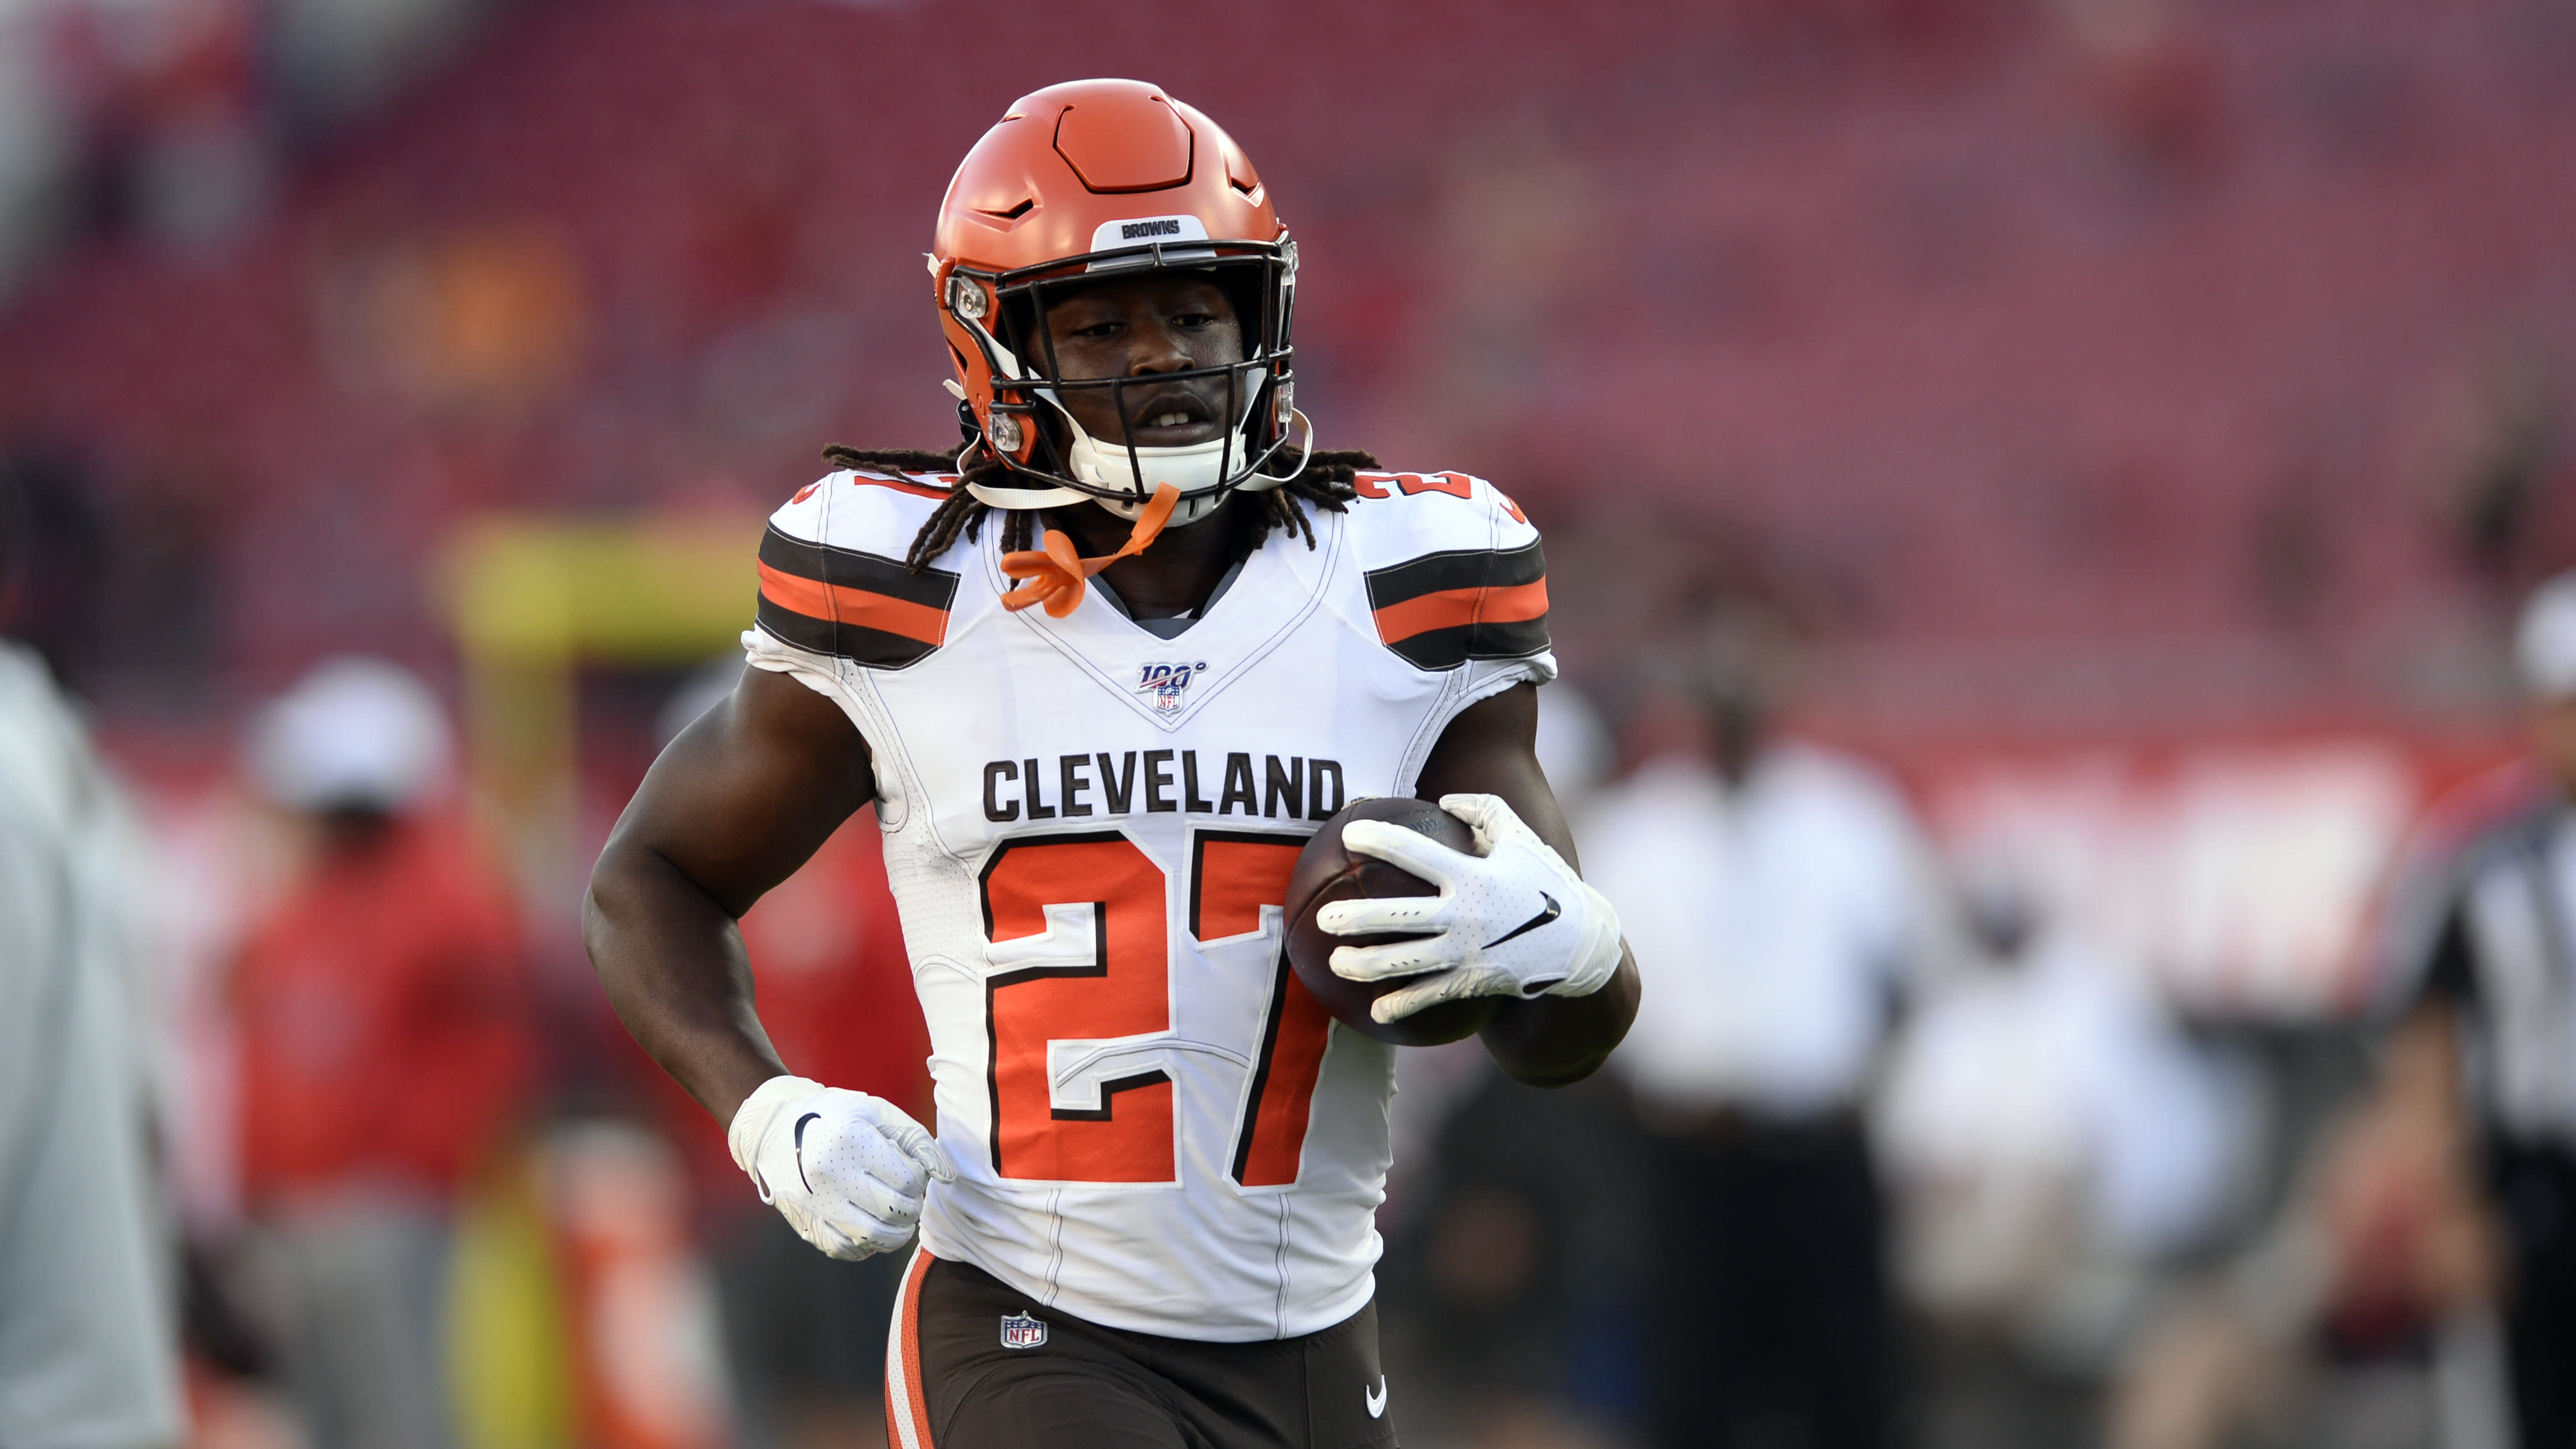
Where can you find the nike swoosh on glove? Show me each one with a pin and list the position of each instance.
(1514, 920)
(848, 1171)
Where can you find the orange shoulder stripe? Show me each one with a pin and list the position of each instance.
(1455, 608)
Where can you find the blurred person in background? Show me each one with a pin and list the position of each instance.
(2360, 1313)
(1783, 895)
(2485, 1056)
(1510, 1277)
(383, 1016)
(2050, 1138)
(2436, 1220)
(88, 1312)
(805, 1336)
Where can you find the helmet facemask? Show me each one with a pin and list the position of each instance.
(1004, 313)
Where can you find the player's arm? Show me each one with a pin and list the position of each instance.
(736, 803)
(1490, 749)
(742, 798)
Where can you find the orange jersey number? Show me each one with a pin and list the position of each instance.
(1124, 990)
(1121, 988)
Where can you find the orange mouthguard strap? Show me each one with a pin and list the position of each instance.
(1056, 576)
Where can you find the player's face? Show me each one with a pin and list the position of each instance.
(1140, 327)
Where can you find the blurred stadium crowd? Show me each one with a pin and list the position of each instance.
(2038, 494)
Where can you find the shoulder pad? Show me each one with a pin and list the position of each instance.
(832, 577)
(1453, 567)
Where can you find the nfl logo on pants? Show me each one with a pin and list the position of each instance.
(1019, 1330)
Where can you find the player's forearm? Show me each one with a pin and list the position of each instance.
(675, 971)
(1555, 1041)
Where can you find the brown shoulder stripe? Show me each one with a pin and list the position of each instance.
(1443, 609)
(860, 606)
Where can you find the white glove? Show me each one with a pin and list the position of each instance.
(1514, 920)
(848, 1171)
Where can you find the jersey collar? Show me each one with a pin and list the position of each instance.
(1263, 601)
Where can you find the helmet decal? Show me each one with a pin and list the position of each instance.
(1115, 234)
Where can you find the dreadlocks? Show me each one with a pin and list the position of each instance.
(1323, 479)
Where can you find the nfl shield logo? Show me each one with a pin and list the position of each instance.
(1019, 1330)
(1166, 683)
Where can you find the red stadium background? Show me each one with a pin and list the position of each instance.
(2148, 411)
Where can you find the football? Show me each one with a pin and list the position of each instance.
(1328, 872)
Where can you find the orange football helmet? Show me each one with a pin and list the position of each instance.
(1105, 176)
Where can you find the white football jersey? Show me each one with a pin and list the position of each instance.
(1089, 831)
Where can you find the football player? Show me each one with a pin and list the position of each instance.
(1102, 671)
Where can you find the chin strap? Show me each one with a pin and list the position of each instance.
(1057, 576)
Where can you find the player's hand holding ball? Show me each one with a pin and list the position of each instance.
(1512, 920)
(848, 1171)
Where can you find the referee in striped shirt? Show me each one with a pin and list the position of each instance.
(2492, 972)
